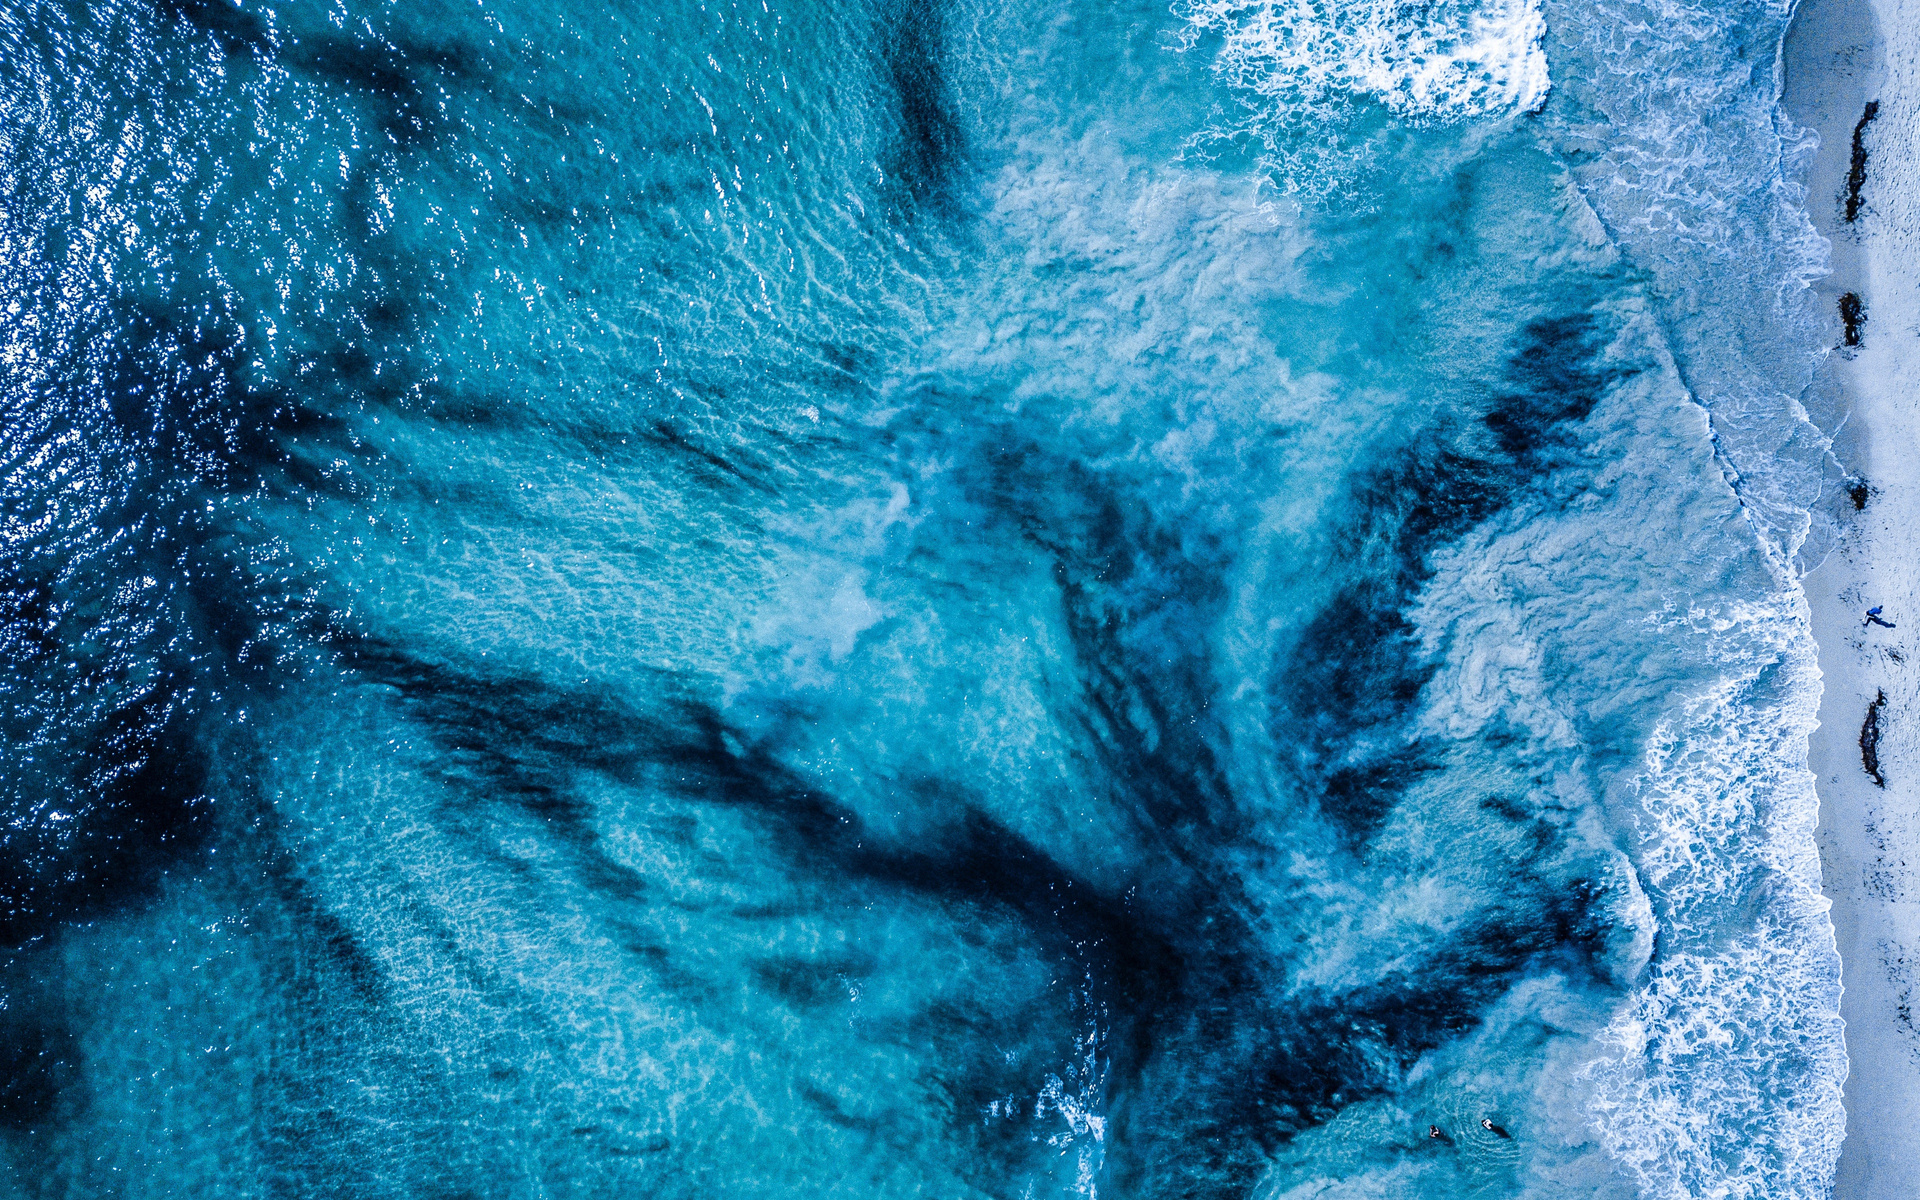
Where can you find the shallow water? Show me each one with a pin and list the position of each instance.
(874, 600)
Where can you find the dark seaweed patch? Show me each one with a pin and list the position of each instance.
(39, 1063)
(1859, 492)
(1210, 1070)
(166, 628)
(1555, 379)
(1870, 739)
(529, 743)
(1214, 1070)
(1232, 1075)
(402, 77)
(131, 782)
(723, 472)
(836, 1113)
(1340, 698)
(134, 730)
(532, 742)
(809, 983)
(238, 31)
(929, 141)
(1853, 314)
(1355, 673)
(335, 941)
(1857, 168)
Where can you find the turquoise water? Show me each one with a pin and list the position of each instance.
(908, 600)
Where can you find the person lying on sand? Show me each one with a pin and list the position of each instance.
(1873, 618)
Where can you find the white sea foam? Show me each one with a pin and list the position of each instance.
(1448, 61)
(1718, 1076)
(1683, 151)
(1721, 1072)
(1722, 1076)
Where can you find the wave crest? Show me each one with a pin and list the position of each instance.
(1448, 61)
(1722, 1073)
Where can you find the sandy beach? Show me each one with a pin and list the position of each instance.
(1851, 76)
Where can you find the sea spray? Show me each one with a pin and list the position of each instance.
(1314, 81)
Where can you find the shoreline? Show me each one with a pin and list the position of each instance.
(1842, 56)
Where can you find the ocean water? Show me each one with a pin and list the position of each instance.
(771, 598)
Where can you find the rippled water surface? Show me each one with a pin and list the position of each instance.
(879, 599)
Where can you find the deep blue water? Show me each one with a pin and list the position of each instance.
(880, 599)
